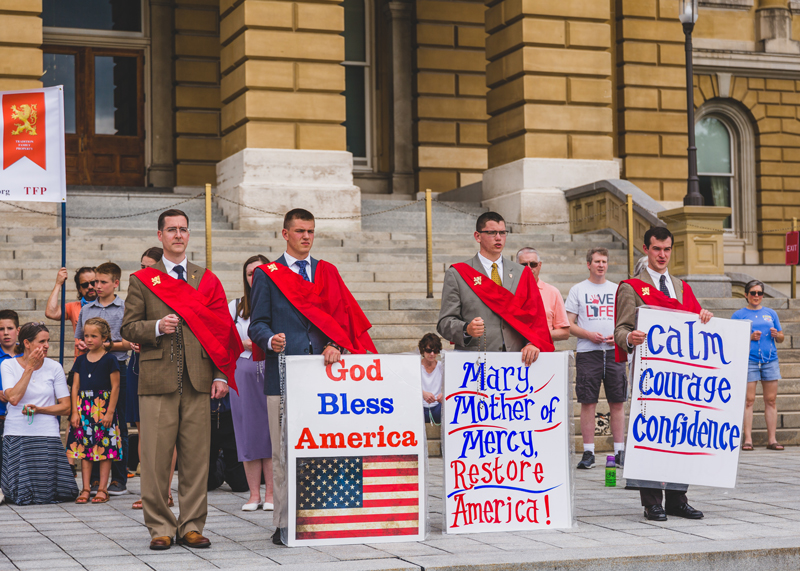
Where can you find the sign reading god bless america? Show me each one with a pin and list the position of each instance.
(32, 166)
(689, 386)
(506, 442)
(355, 450)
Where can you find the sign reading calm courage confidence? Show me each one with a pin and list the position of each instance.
(689, 386)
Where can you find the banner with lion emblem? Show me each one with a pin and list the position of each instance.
(32, 151)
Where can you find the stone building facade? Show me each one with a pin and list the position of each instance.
(317, 102)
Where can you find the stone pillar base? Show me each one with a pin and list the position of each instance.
(698, 248)
(279, 180)
(709, 286)
(532, 190)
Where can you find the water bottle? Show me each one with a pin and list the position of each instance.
(611, 472)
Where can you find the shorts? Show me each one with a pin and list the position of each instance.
(770, 371)
(594, 367)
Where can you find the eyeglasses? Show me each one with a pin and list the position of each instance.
(756, 293)
(532, 264)
(84, 285)
(430, 350)
(174, 230)
(494, 233)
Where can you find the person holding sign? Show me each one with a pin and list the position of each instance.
(763, 365)
(299, 306)
(492, 304)
(655, 287)
(177, 313)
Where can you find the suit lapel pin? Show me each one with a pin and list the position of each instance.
(194, 276)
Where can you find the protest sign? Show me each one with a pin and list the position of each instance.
(32, 149)
(689, 386)
(506, 442)
(355, 441)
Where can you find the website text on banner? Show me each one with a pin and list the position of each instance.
(689, 386)
(355, 450)
(32, 151)
(506, 442)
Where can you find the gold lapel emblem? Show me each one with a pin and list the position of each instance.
(156, 280)
(645, 291)
(272, 267)
(477, 281)
(194, 276)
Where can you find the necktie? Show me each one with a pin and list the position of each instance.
(179, 270)
(302, 265)
(496, 275)
(663, 287)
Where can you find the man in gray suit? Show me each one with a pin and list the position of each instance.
(464, 319)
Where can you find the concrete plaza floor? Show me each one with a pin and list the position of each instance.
(755, 526)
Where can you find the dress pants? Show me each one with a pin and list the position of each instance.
(652, 496)
(166, 421)
(280, 493)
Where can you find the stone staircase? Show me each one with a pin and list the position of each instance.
(384, 266)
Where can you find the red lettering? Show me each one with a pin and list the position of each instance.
(522, 465)
(306, 438)
(357, 372)
(374, 371)
(528, 512)
(354, 440)
(537, 473)
(458, 470)
(342, 372)
(391, 436)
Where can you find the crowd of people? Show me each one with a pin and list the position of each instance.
(162, 360)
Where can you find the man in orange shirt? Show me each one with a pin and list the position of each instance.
(84, 283)
(557, 319)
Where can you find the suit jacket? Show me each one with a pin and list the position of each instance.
(158, 366)
(271, 314)
(460, 305)
(628, 301)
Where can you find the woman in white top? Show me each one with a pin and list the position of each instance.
(35, 466)
(249, 406)
(429, 347)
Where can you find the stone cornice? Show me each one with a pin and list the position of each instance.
(747, 63)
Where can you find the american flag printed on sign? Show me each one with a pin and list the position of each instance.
(357, 496)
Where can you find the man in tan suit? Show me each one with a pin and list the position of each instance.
(176, 379)
(658, 247)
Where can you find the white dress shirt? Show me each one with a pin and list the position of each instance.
(291, 262)
(170, 267)
(487, 265)
(656, 277)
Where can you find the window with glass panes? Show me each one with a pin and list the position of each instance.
(357, 79)
(715, 164)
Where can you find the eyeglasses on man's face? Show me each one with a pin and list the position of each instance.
(531, 265)
(172, 230)
(84, 285)
(494, 233)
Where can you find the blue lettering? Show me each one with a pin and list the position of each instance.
(328, 403)
(676, 337)
(471, 370)
(650, 346)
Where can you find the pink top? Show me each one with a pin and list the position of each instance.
(553, 306)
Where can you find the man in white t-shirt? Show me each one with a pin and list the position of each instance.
(590, 309)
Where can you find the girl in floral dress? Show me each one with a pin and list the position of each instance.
(95, 435)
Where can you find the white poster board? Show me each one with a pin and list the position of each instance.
(356, 451)
(32, 159)
(506, 442)
(687, 404)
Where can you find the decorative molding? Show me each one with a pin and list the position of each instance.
(727, 4)
(746, 64)
(794, 6)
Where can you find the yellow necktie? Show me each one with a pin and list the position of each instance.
(496, 276)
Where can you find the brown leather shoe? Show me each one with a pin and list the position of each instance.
(160, 543)
(194, 539)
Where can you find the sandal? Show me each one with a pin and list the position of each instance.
(97, 499)
(137, 505)
(747, 446)
(774, 446)
(81, 499)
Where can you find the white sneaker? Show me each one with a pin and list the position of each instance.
(250, 507)
(268, 507)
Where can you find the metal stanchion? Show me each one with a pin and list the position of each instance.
(794, 267)
(208, 227)
(429, 239)
(631, 262)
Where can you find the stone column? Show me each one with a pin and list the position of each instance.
(283, 142)
(550, 103)
(399, 14)
(162, 166)
(774, 27)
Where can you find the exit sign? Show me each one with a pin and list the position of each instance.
(792, 251)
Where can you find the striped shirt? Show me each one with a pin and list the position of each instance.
(112, 313)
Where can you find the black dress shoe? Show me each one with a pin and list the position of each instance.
(276, 537)
(655, 513)
(684, 510)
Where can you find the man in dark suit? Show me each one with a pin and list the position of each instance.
(658, 247)
(276, 326)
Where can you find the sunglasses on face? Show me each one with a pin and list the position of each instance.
(430, 350)
(532, 264)
(756, 293)
(84, 285)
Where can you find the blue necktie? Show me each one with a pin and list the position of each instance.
(179, 270)
(663, 287)
(302, 265)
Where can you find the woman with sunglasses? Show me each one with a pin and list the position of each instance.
(765, 331)
(429, 347)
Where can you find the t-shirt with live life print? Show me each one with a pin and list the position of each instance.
(594, 306)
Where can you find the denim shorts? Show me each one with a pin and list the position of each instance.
(770, 371)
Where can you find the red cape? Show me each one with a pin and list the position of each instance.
(327, 303)
(523, 310)
(651, 295)
(205, 311)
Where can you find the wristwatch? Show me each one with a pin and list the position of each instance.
(335, 346)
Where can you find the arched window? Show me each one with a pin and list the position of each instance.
(715, 164)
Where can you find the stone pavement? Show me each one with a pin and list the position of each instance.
(755, 526)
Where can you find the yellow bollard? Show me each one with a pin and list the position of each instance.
(429, 239)
(208, 227)
(631, 252)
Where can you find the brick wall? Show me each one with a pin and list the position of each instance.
(197, 98)
(450, 94)
(20, 44)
